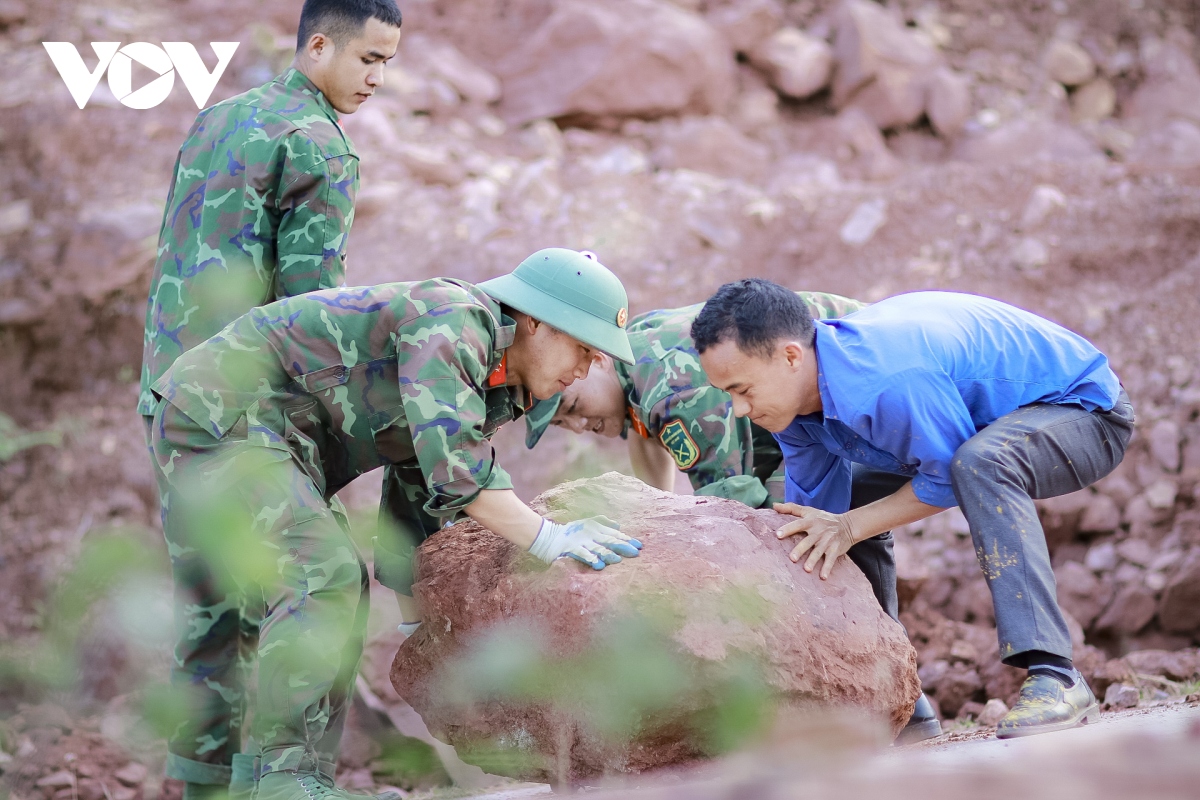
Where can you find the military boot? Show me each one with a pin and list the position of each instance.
(285, 785)
(922, 725)
(1047, 705)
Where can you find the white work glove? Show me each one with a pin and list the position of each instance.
(596, 542)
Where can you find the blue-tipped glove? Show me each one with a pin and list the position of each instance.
(596, 541)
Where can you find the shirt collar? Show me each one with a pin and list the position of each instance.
(632, 400)
(295, 79)
(829, 408)
(506, 332)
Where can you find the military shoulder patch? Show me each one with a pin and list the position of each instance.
(680, 444)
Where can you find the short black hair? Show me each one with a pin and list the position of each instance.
(342, 20)
(756, 314)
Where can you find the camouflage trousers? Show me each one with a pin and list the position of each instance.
(267, 576)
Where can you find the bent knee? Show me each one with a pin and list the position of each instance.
(972, 460)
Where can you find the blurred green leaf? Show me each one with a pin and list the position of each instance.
(13, 439)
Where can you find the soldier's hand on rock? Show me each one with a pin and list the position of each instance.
(596, 542)
(826, 535)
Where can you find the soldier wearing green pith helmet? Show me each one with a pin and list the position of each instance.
(256, 429)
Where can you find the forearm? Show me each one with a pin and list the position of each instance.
(503, 513)
(652, 464)
(890, 512)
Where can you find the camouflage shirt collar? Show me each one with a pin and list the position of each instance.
(295, 79)
(633, 404)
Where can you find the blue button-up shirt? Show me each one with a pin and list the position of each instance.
(906, 381)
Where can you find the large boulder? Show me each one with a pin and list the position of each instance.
(620, 58)
(537, 662)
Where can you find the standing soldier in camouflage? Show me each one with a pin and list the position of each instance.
(673, 418)
(262, 199)
(258, 427)
(259, 209)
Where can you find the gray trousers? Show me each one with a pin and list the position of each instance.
(1035, 452)
(876, 557)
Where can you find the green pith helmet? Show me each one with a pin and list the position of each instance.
(572, 292)
(537, 419)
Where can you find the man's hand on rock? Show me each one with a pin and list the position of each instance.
(596, 542)
(826, 535)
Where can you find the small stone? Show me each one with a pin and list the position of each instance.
(1030, 254)
(1155, 581)
(1160, 495)
(12, 12)
(1044, 201)
(15, 217)
(1137, 551)
(1121, 695)
(123, 793)
(862, 224)
(132, 774)
(1068, 63)
(1094, 101)
(963, 650)
(1129, 612)
(1164, 441)
(1101, 557)
(796, 64)
(1100, 516)
(747, 24)
(57, 780)
(948, 104)
(1080, 592)
(993, 711)
(91, 789)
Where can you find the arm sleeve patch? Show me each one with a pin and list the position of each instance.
(679, 444)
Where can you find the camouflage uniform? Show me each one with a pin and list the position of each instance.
(259, 209)
(668, 398)
(256, 430)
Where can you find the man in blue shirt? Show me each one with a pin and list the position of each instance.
(978, 403)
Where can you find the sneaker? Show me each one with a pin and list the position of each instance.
(1046, 705)
(308, 786)
(922, 725)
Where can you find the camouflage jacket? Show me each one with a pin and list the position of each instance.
(668, 398)
(352, 379)
(260, 208)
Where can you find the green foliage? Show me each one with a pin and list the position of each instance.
(631, 681)
(13, 439)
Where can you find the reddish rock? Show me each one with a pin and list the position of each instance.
(816, 642)
(747, 24)
(1068, 63)
(1175, 665)
(1179, 611)
(1170, 89)
(798, 65)
(1130, 611)
(948, 103)
(621, 58)
(1081, 593)
(712, 145)
(954, 687)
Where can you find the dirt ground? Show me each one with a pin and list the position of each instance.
(1093, 223)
